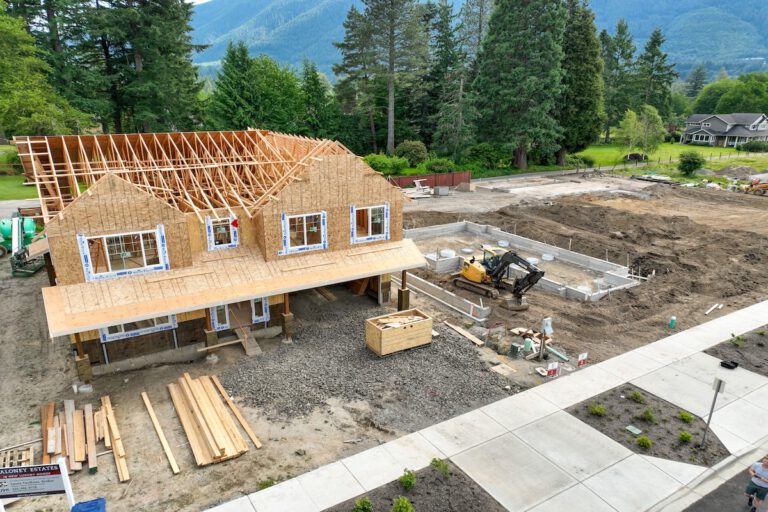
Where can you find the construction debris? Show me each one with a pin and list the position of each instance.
(17, 457)
(471, 337)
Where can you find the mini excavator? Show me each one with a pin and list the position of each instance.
(490, 276)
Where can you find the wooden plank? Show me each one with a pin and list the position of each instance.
(325, 292)
(79, 435)
(105, 429)
(90, 438)
(69, 412)
(50, 445)
(236, 412)
(226, 447)
(160, 434)
(471, 337)
(197, 415)
(65, 446)
(57, 440)
(118, 450)
(221, 411)
(47, 412)
(199, 450)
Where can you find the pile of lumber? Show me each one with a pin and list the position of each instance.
(213, 435)
(75, 433)
(393, 322)
(534, 335)
(17, 457)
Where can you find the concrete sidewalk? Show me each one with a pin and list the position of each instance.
(521, 449)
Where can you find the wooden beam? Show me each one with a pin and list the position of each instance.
(90, 438)
(236, 412)
(160, 434)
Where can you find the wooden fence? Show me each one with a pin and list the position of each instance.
(448, 179)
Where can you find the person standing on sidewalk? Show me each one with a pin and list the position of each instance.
(757, 488)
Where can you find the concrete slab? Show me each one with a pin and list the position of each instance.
(758, 397)
(462, 432)
(705, 368)
(732, 442)
(513, 473)
(632, 485)
(519, 410)
(576, 499)
(239, 505)
(578, 386)
(288, 494)
(680, 471)
(742, 419)
(667, 350)
(630, 365)
(374, 467)
(413, 451)
(329, 485)
(682, 390)
(581, 453)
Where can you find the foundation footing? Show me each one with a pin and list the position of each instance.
(84, 370)
(287, 321)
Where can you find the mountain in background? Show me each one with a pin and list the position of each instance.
(720, 33)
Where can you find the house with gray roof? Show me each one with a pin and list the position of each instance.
(725, 130)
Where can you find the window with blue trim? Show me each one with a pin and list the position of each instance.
(220, 317)
(260, 310)
(222, 233)
(138, 328)
(369, 223)
(306, 232)
(123, 254)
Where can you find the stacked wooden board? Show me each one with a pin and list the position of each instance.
(211, 431)
(75, 433)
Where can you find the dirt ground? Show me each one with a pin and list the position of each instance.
(748, 350)
(662, 426)
(433, 492)
(704, 246)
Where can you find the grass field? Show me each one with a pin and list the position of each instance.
(612, 154)
(759, 162)
(11, 188)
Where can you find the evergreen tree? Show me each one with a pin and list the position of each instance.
(581, 106)
(520, 76)
(696, 81)
(319, 108)
(618, 53)
(357, 71)
(655, 76)
(454, 121)
(707, 100)
(722, 75)
(28, 103)
(274, 96)
(474, 16)
(229, 105)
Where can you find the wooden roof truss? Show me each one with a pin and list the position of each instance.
(192, 171)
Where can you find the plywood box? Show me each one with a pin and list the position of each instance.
(387, 338)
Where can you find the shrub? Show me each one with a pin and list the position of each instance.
(737, 340)
(408, 480)
(685, 416)
(489, 156)
(648, 416)
(644, 442)
(597, 410)
(266, 483)
(386, 165)
(637, 397)
(363, 505)
(402, 504)
(755, 146)
(412, 150)
(441, 466)
(578, 161)
(690, 162)
(440, 165)
(684, 437)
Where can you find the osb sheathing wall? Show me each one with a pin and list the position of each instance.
(113, 206)
(331, 184)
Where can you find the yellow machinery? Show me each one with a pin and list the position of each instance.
(757, 188)
(490, 275)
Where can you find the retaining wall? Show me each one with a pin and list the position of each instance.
(467, 308)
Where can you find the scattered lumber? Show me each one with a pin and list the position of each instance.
(393, 322)
(113, 432)
(213, 436)
(17, 457)
(160, 434)
(69, 423)
(90, 438)
(79, 435)
(236, 412)
(47, 412)
(471, 337)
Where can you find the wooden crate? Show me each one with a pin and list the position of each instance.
(388, 340)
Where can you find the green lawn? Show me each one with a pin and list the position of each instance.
(759, 162)
(612, 154)
(11, 188)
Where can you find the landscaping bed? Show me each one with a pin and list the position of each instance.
(660, 422)
(749, 350)
(432, 492)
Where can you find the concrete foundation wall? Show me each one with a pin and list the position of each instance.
(474, 311)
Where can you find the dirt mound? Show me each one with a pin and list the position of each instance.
(741, 172)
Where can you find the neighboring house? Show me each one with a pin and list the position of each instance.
(725, 130)
(159, 241)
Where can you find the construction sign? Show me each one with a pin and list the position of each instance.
(582, 359)
(553, 369)
(24, 481)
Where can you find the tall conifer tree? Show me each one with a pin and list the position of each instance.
(618, 53)
(696, 81)
(520, 76)
(655, 75)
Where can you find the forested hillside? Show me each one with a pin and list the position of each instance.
(698, 31)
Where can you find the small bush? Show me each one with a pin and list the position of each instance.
(647, 415)
(637, 397)
(644, 442)
(386, 165)
(402, 504)
(412, 150)
(440, 165)
(755, 146)
(690, 162)
(760, 333)
(266, 483)
(737, 340)
(578, 161)
(363, 505)
(441, 466)
(490, 156)
(684, 437)
(685, 416)
(597, 410)
(408, 480)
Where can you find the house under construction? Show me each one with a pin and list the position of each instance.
(162, 240)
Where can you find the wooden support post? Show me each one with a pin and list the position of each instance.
(403, 280)
(403, 293)
(79, 345)
(286, 304)
(49, 269)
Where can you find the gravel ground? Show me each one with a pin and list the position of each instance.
(328, 359)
